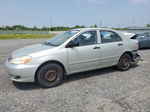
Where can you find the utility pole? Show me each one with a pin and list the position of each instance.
(100, 23)
(133, 23)
(51, 23)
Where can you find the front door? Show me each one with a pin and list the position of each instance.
(86, 56)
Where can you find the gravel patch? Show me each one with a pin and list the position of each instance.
(104, 90)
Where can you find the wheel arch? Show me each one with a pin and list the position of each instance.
(127, 52)
(51, 61)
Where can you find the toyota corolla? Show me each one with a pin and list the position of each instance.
(71, 52)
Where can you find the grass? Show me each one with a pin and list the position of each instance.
(26, 36)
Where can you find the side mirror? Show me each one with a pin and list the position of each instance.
(72, 44)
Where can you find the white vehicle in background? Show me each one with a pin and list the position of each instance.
(71, 52)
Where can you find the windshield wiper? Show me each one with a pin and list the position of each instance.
(49, 44)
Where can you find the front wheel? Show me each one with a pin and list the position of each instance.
(124, 62)
(50, 75)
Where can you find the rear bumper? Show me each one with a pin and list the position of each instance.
(135, 57)
(136, 60)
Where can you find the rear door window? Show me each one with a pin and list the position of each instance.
(109, 36)
(141, 36)
(148, 34)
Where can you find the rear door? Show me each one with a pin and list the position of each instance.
(86, 56)
(111, 47)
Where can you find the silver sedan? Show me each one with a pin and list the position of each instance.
(71, 52)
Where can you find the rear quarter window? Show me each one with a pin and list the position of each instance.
(134, 37)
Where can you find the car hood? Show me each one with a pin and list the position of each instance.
(30, 49)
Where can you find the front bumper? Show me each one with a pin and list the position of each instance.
(21, 73)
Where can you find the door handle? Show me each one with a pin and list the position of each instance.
(96, 47)
(120, 44)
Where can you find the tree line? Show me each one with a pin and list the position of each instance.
(58, 28)
(148, 25)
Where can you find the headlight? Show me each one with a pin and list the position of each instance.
(21, 60)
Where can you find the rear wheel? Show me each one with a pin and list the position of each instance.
(124, 62)
(50, 75)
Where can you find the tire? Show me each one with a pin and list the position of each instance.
(50, 75)
(124, 62)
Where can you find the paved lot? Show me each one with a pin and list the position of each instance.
(106, 90)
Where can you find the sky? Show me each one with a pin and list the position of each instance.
(105, 13)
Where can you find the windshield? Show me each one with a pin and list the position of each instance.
(60, 39)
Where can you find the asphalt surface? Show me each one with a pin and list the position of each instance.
(105, 90)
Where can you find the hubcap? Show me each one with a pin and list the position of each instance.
(126, 62)
(50, 75)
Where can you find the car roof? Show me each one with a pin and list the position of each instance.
(85, 29)
(118, 32)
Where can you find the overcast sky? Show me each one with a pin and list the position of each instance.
(109, 13)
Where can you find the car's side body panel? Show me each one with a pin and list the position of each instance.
(110, 53)
(58, 54)
(83, 58)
